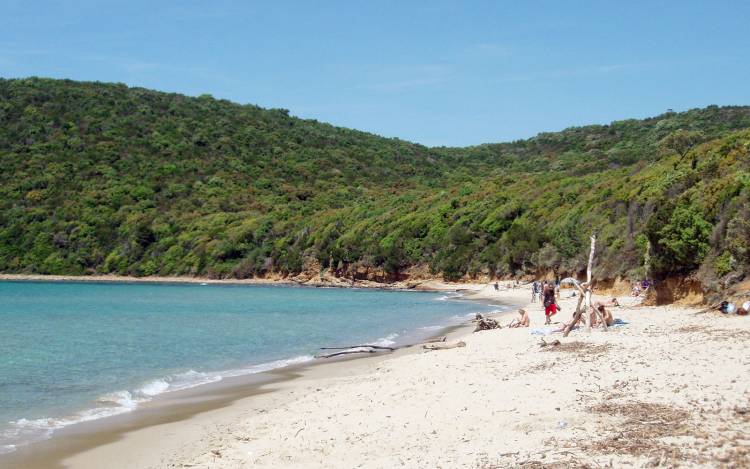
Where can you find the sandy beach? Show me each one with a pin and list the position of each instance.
(670, 387)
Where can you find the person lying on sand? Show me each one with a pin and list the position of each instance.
(522, 322)
(611, 302)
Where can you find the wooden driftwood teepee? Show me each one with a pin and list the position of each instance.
(584, 298)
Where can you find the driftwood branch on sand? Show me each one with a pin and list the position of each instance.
(485, 324)
(444, 346)
(351, 349)
(379, 347)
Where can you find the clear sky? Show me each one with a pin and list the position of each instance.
(434, 72)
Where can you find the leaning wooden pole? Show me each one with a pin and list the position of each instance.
(584, 301)
(587, 300)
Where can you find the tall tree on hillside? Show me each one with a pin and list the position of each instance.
(681, 142)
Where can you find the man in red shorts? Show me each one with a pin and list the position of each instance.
(550, 303)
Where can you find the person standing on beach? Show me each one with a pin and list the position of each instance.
(550, 302)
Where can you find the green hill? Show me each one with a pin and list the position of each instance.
(102, 178)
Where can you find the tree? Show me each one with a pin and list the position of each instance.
(682, 242)
(681, 142)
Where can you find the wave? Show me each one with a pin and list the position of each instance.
(449, 296)
(24, 431)
(386, 341)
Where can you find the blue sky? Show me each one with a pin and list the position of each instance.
(437, 72)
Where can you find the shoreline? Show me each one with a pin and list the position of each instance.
(130, 279)
(176, 406)
(425, 284)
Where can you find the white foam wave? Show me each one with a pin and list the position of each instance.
(23, 431)
(267, 366)
(154, 388)
(449, 296)
(386, 341)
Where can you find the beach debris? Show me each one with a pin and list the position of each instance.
(485, 324)
(646, 429)
(379, 347)
(581, 349)
(350, 349)
(444, 346)
(544, 343)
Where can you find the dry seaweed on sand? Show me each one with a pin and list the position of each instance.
(667, 436)
(643, 430)
(581, 349)
(693, 328)
(718, 334)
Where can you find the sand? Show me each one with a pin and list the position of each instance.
(671, 388)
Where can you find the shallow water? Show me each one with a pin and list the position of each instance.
(71, 352)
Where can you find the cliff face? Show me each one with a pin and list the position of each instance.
(100, 178)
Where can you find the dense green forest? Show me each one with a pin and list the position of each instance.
(102, 178)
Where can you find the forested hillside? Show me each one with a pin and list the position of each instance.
(102, 178)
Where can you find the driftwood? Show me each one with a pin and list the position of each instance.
(444, 346)
(345, 352)
(576, 316)
(353, 349)
(485, 324)
(358, 346)
(584, 300)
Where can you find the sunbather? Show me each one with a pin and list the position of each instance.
(522, 322)
(611, 302)
(607, 315)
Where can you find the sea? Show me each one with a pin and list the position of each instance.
(73, 352)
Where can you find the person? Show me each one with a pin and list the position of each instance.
(533, 291)
(522, 322)
(606, 314)
(550, 302)
(727, 307)
(561, 327)
(611, 302)
(636, 290)
(497, 287)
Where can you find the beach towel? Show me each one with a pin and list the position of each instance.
(547, 330)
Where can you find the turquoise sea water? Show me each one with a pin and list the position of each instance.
(72, 352)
